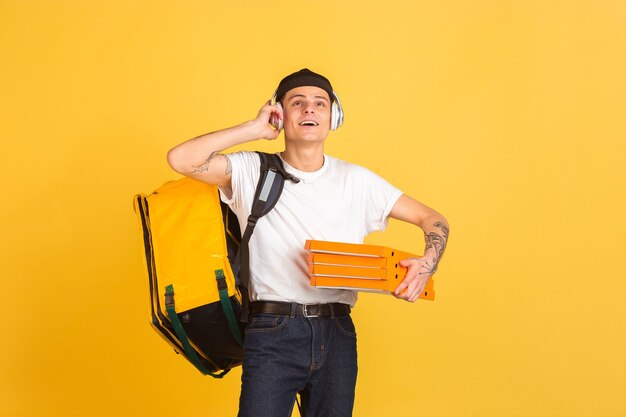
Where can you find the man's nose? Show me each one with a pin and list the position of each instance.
(308, 108)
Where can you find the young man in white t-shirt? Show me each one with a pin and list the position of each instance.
(286, 351)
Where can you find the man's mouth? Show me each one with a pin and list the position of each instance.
(308, 123)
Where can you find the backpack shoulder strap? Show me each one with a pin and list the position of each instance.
(268, 190)
(270, 186)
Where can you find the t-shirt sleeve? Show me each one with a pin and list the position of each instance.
(380, 197)
(244, 176)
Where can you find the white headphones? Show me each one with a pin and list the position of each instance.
(336, 112)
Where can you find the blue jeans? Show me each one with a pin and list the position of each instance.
(313, 356)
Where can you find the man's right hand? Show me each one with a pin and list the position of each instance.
(263, 119)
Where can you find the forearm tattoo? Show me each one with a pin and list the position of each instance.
(437, 242)
(203, 167)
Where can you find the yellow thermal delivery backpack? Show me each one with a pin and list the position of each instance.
(191, 243)
(194, 300)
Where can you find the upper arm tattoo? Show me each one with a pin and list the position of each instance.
(229, 165)
(203, 167)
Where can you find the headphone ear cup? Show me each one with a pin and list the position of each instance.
(280, 120)
(334, 116)
(275, 121)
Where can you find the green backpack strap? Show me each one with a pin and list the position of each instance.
(227, 307)
(190, 352)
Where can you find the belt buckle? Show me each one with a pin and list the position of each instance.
(305, 310)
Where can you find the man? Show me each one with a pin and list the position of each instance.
(286, 351)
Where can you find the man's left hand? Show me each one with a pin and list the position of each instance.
(419, 270)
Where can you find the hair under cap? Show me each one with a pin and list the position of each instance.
(304, 77)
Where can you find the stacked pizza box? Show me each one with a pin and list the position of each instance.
(358, 267)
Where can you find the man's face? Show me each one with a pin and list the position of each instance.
(306, 113)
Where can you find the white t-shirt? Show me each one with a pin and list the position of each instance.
(340, 202)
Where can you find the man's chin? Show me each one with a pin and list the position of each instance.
(310, 137)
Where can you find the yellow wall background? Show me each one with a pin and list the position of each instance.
(507, 116)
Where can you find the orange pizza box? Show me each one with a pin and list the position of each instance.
(358, 267)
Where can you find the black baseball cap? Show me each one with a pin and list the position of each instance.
(304, 77)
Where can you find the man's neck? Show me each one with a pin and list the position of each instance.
(305, 158)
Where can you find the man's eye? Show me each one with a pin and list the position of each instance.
(321, 104)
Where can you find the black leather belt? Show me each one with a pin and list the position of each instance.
(294, 309)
